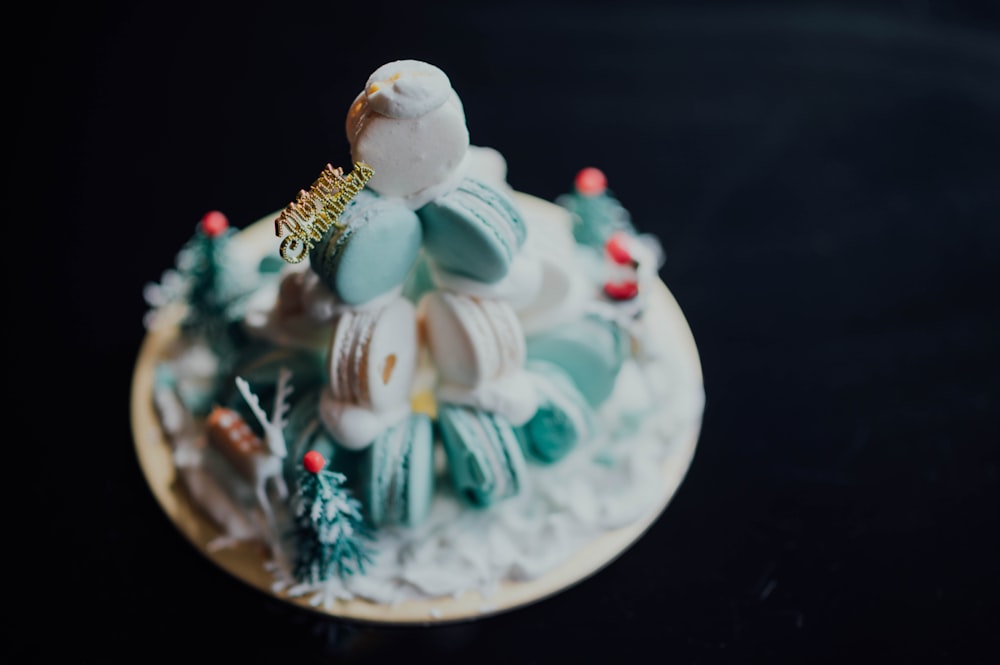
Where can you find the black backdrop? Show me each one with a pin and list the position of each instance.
(824, 177)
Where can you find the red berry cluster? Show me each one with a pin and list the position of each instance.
(626, 285)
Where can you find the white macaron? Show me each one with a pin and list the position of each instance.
(471, 340)
(372, 356)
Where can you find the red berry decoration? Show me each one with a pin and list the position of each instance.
(313, 461)
(214, 224)
(616, 249)
(591, 181)
(621, 290)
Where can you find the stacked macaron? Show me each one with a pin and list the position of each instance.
(472, 340)
(362, 418)
(591, 350)
(436, 250)
(408, 124)
(564, 418)
(475, 230)
(370, 252)
(407, 115)
(396, 473)
(371, 364)
(483, 391)
(485, 461)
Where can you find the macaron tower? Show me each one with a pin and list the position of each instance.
(407, 134)
(430, 260)
(464, 374)
(409, 125)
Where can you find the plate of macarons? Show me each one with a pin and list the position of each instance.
(374, 376)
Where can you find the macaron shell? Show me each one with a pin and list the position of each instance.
(563, 419)
(510, 345)
(397, 473)
(485, 461)
(419, 487)
(591, 350)
(373, 355)
(351, 331)
(470, 474)
(475, 231)
(472, 340)
(370, 252)
(391, 362)
(453, 340)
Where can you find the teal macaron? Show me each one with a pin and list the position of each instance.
(485, 461)
(475, 230)
(564, 418)
(370, 251)
(396, 473)
(590, 349)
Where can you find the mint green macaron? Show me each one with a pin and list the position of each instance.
(474, 230)
(485, 461)
(396, 473)
(563, 420)
(590, 349)
(370, 252)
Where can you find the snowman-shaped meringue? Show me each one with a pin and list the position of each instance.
(409, 124)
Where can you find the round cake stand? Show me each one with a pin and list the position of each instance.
(247, 562)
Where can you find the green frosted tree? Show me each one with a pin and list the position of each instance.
(596, 212)
(216, 287)
(331, 537)
(202, 261)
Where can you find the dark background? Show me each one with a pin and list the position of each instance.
(824, 177)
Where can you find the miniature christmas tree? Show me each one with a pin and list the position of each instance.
(203, 262)
(330, 530)
(200, 281)
(596, 213)
(212, 285)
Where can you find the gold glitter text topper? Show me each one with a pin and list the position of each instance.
(318, 208)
